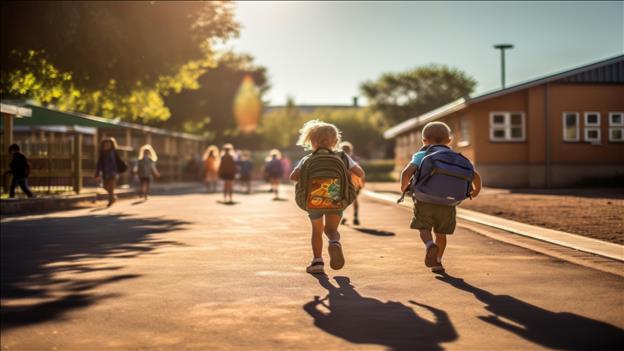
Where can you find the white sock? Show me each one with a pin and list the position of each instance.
(428, 243)
(317, 259)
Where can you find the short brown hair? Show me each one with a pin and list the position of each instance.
(436, 132)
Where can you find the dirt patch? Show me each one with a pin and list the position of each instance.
(595, 213)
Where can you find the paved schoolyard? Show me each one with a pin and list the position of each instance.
(184, 272)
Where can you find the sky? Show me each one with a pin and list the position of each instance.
(320, 52)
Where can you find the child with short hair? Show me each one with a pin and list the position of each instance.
(436, 136)
(146, 168)
(227, 172)
(273, 171)
(322, 139)
(19, 168)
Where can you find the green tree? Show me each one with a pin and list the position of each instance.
(114, 59)
(403, 95)
(209, 109)
(279, 127)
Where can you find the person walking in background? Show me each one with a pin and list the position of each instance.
(227, 172)
(245, 167)
(286, 167)
(358, 182)
(109, 166)
(211, 167)
(20, 170)
(146, 168)
(274, 170)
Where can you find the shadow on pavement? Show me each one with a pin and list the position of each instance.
(36, 252)
(372, 231)
(557, 330)
(365, 320)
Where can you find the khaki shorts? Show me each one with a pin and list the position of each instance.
(439, 217)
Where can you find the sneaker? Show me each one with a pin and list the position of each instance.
(431, 257)
(356, 221)
(316, 268)
(438, 268)
(336, 258)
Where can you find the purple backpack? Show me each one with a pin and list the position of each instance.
(443, 178)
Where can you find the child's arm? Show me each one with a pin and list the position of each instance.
(296, 173)
(155, 170)
(358, 171)
(477, 184)
(406, 174)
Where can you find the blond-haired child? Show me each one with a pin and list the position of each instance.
(146, 168)
(273, 171)
(318, 136)
(211, 168)
(428, 216)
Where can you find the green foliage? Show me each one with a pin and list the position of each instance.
(379, 170)
(126, 41)
(113, 59)
(215, 96)
(400, 96)
(361, 126)
(280, 127)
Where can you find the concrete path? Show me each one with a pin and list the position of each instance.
(184, 272)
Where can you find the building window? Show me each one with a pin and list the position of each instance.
(592, 127)
(616, 126)
(592, 135)
(507, 126)
(464, 132)
(571, 126)
(592, 119)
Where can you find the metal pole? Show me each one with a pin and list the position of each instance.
(502, 48)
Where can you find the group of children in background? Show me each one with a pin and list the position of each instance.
(328, 181)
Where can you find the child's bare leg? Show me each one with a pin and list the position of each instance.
(441, 242)
(425, 236)
(331, 226)
(317, 237)
(336, 257)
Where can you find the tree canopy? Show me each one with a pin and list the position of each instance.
(114, 59)
(403, 95)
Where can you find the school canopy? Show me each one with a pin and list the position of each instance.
(67, 121)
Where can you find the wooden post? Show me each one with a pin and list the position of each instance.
(7, 137)
(77, 163)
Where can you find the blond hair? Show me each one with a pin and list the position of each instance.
(212, 148)
(274, 153)
(148, 147)
(436, 132)
(320, 134)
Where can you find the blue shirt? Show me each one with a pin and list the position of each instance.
(417, 158)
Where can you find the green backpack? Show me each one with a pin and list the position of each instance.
(325, 183)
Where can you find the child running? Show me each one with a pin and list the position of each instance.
(211, 168)
(146, 168)
(358, 182)
(109, 167)
(324, 189)
(19, 168)
(227, 172)
(246, 169)
(273, 171)
(441, 179)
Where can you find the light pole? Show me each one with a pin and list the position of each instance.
(502, 48)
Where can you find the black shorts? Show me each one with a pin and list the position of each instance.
(227, 176)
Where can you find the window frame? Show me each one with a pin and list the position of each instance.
(578, 126)
(611, 114)
(596, 141)
(587, 113)
(507, 127)
(464, 125)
